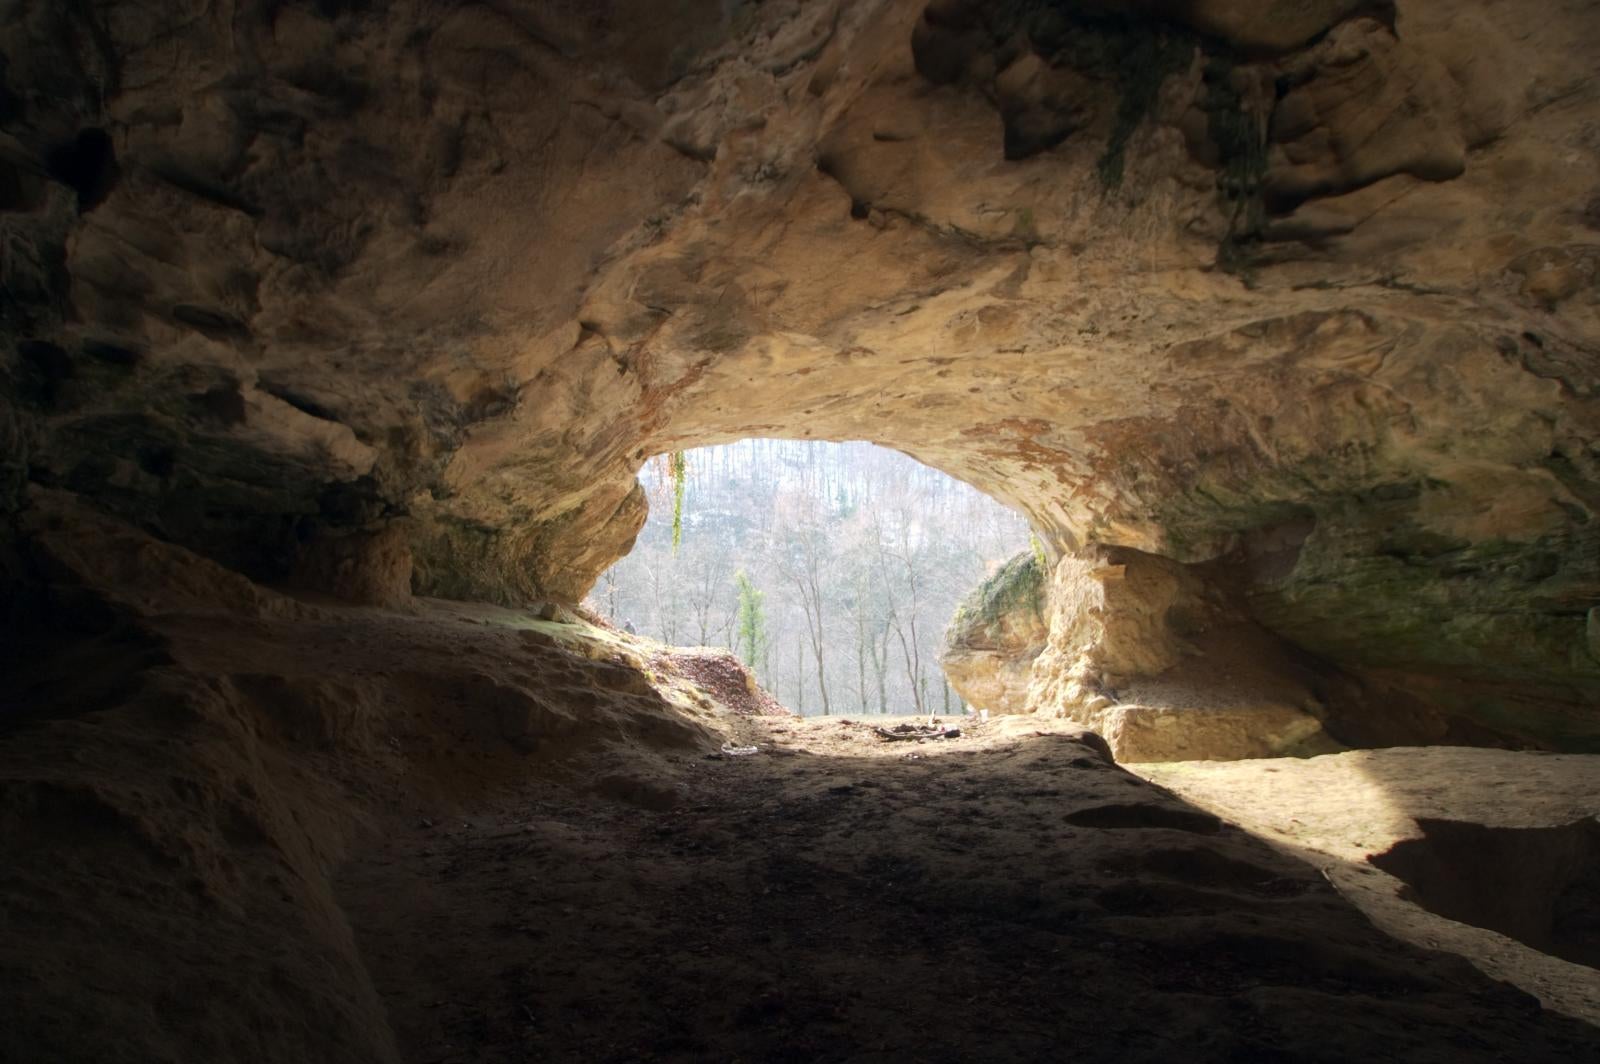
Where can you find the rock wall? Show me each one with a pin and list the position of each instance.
(1169, 662)
(996, 633)
(186, 757)
(1159, 659)
(1313, 297)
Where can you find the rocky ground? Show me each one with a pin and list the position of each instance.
(1008, 895)
(1492, 854)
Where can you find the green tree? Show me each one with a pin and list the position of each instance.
(750, 623)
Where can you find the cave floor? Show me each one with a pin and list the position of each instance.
(1529, 830)
(541, 859)
(1010, 896)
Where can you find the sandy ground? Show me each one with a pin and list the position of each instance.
(1006, 896)
(1341, 811)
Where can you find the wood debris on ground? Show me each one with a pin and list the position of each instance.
(904, 733)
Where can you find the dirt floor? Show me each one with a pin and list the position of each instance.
(1492, 854)
(1005, 896)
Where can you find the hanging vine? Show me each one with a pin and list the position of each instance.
(678, 467)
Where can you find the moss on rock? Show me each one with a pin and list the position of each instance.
(1017, 586)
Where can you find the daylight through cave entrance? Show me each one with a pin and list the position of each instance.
(831, 569)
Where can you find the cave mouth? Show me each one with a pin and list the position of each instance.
(830, 569)
(1540, 886)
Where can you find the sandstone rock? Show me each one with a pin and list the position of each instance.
(996, 634)
(1277, 320)
(372, 568)
(77, 547)
(1161, 663)
(282, 277)
(1554, 275)
(194, 767)
(1362, 107)
(1348, 812)
(1139, 733)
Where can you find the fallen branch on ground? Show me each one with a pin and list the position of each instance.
(908, 733)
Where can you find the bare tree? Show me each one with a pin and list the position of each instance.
(804, 560)
(707, 594)
(900, 574)
(853, 543)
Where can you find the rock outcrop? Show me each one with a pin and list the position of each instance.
(372, 567)
(1162, 662)
(1311, 297)
(996, 634)
(185, 758)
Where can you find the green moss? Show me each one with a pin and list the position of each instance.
(1134, 52)
(1016, 585)
(1358, 573)
(1139, 70)
(1024, 226)
(1241, 145)
(1371, 588)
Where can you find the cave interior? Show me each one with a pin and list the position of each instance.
(336, 335)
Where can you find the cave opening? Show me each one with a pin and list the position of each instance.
(832, 570)
(333, 338)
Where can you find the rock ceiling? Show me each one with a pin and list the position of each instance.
(1310, 297)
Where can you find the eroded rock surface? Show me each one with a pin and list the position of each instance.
(325, 831)
(1487, 853)
(185, 757)
(1311, 296)
(1032, 861)
(1164, 663)
(996, 634)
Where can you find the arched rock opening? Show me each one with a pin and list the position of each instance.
(1292, 317)
(466, 276)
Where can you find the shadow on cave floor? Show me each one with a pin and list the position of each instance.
(552, 870)
(1490, 854)
(1021, 900)
(1540, 886)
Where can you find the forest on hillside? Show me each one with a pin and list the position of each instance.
(831, 568)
